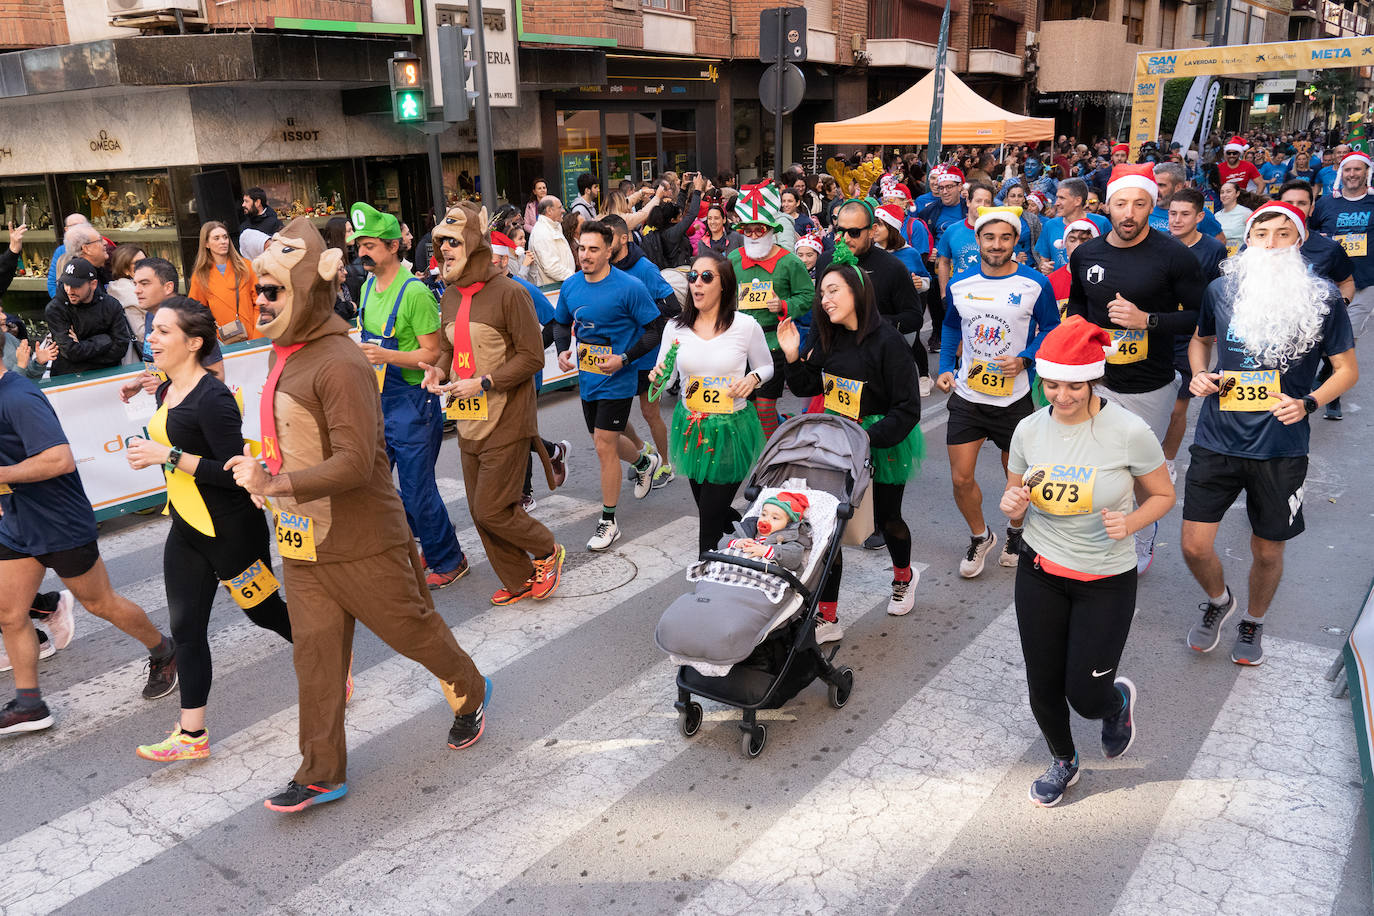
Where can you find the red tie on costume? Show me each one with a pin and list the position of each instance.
(271, 450)
(463, 364)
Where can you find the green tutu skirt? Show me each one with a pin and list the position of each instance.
(715, 447)
(895, 465)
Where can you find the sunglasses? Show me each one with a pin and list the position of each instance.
(450, 243)
(705, 276)
(754, 230)
(268, 292)
(854, 232)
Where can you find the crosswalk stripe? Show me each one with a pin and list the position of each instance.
(1264, 820)
(861, 839)
(89, 706)
(85, 848)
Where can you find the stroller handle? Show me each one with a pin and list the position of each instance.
(759, 566)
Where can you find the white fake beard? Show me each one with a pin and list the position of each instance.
(1278, 304)
(758, 248)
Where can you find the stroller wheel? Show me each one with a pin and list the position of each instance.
(751, 742)
(841, 688)
(689, 720)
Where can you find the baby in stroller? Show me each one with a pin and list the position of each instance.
(778, 533)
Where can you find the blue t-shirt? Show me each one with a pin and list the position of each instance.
(1257, 434)
(1327, 257)
(917, 234)
(923, 201)
(911, 260)
(49, 515)
(960, 245)
(1273, 173)
(1210, 252)
(943, 218)
(1328, 176)
(1348, 222)
(613, 312)
(1159, 219)
(1051, 242)
(646, 272)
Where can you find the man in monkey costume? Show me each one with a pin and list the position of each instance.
(347, 552)
(490, 348)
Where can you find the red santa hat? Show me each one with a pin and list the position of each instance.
(1236, 145)
(813, 241)
(501, 243)
(1082, 225)
(1277, 206)
(1075, 351)
(1042, 198)
(946, 174)
(1140, 176)
(890, 214)
(1122, 148)
(1356, 156)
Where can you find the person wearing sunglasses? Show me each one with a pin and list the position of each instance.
(722, 357)
(773, 284)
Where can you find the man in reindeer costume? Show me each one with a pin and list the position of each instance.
(347, 552)
(490, 348)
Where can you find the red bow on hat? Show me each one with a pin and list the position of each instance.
(753, 194)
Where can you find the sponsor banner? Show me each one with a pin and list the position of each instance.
(1191, 114)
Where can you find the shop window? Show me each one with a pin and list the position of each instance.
(1133, 18)
(130, 207)
(316, 191)
(579, 150)
(672, 6)
(680, 140)
(26, 201)
(460, 182)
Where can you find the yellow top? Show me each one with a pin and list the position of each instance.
(182, 491)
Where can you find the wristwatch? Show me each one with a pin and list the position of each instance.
(174, 456)
(486, 383)
(1152, 322)
(1309, 404)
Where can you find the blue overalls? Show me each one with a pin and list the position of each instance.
(414, 425)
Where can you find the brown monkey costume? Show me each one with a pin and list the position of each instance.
(322, 431)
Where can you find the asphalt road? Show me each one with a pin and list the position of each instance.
(1241, 794)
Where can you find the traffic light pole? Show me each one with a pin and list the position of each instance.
(777, 113)
(486, 161)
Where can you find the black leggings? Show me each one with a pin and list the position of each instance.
(716, 514)
(1072, 634)
(193, 566)
(887, 518)
(529, 466)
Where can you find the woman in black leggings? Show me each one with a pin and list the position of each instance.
(1073, 467)
(864, 368)
(218, 536)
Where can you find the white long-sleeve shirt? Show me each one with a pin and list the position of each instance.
(552, 257)
(739, 350)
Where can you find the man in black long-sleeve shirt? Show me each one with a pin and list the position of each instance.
(86, 323)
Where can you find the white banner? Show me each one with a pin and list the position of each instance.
(1191, 113)
(1209, 112)
(499, 35)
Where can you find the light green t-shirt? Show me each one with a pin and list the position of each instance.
(1088, 467)
(419, 314)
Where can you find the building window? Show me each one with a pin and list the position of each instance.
(1133, 18)
(672, 6)
(1202, 26)
(1058, 10)
(1168, 24)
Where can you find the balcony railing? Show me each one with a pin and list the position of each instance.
(989, 30)
(912, 20)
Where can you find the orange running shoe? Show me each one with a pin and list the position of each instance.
(548, 573)
(504, 596)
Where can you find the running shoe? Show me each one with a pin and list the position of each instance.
(978, 549)
(1333, 410)
(1011, 551)
(1248, 650)
(468, 727)
(14, 720)
(927, 386)
(1145, 548)
(607, 533)
(46, 649)
(527, 502)
(903, 595)
(1118, 731)
(162, 677)
(933, 344)
(62, 622)
(298, 797)
(177, 746)
(828, 631)
(644, 477)
(438, 580)
(1050, 787)
(1206, 633)
(559, 461)
(548, 573)
(664, 477)
(504, 596)
(875, 541)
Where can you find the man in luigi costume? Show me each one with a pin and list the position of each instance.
(399, 319)
(773, 283)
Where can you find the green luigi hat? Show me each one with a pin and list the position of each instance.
(760, 203)
(371, 223)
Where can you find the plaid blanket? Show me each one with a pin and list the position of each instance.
(775, 587)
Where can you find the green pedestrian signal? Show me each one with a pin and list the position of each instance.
(410, 105)
(407, 88)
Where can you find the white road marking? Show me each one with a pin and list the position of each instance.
(1264, 819)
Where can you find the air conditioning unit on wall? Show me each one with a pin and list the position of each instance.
(134, 7)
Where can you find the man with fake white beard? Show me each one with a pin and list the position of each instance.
(1275, 319)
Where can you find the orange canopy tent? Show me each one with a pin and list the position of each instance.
(969, 118)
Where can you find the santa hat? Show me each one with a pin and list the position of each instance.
(889, 186)
(1357, 156)
(501, 243)
(1277, 206)
(1134, 176)
(890, 214)
(794, 504)
(1042, 198)
(1121, 147)
(1009, 215)
(1075, 351)
(946, 174)
(1081, 225)
(1236, 145)
(811, 240)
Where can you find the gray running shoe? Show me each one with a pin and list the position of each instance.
(875, 541)
(1011, 551)
(1206, 633)
(1248, 650)
(978, 549)
(1049, 788)
(1118, 731)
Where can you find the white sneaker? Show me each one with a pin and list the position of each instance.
(828, 631)
(45, 650)
(903, 595)
(926, 386)
(607, 533)
(1173, 472)
(972, 563)
(1145, 548)
(62, 623)
(644, 480)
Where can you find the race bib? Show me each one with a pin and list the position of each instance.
(1062, 489)
(152, 369)
(1356, 244)
(296, 536)
(1132, 346)
(473, 408)
(1232, 248)
(708, 394)
(755, 294)
(381, 376)
(1251, 391)
(252, 586)
(842, 395)
(985, 378)
(591, 358)
(1063, 307)
(5, 489)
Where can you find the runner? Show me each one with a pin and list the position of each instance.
(948, 208)
(1171, 177)
(217, 536)
(957, 251)
(1000, 311)
(773, 284)
(1236, 169)
(721, 358)
(1276, 319)
(347, 553)
(1071, 202)
(1072, 471)
(887, 235)
(616, 323)
(865, 371)
(1075, 234)
(491, 347)
(1327, 256)
(1144, 288)
(399, 320)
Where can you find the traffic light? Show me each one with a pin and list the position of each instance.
(407, 88)
(457, 64)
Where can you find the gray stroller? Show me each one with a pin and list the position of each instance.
(746, 636)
